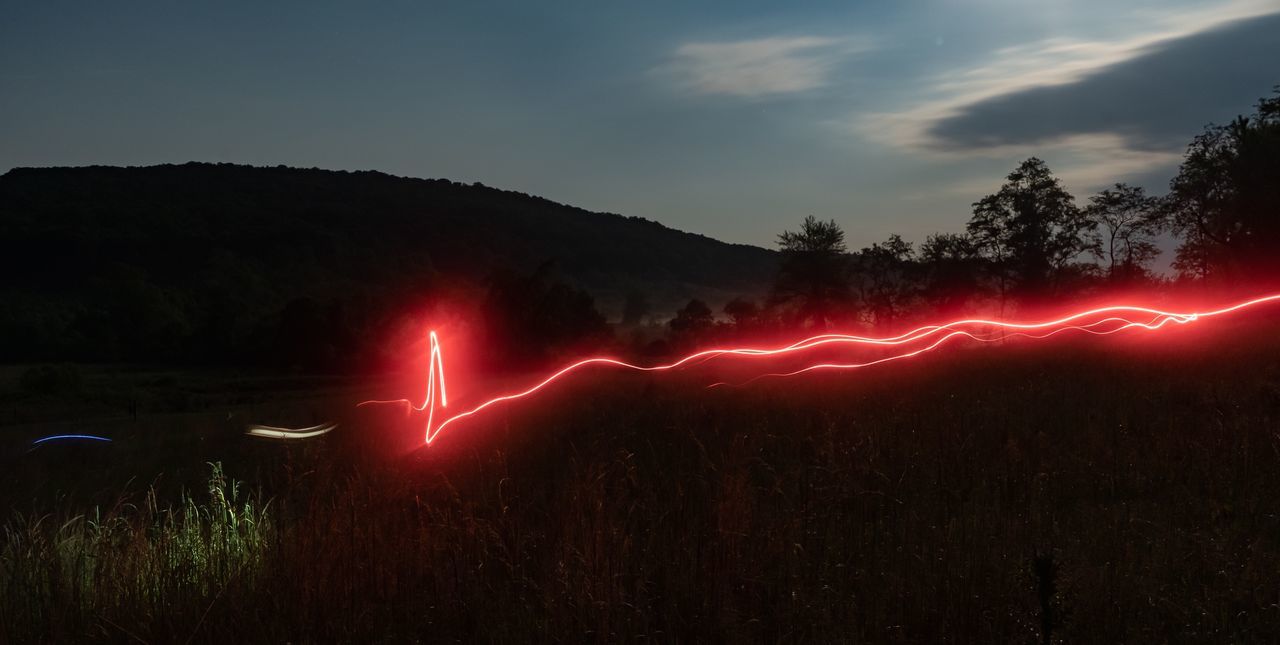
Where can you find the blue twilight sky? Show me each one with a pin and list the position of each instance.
(734, 119)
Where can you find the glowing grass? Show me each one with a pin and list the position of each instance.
(129, 555)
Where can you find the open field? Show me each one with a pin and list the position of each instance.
(1113, 490)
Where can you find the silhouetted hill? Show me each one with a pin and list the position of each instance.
(81, 245)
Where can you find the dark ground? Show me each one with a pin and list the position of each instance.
(1099, 490)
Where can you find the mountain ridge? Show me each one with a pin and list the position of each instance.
(74, 235)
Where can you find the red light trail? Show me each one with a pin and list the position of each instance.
(1099, 321)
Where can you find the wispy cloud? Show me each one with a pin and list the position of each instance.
(1084, 163)
(1046, 63)
(760, 67)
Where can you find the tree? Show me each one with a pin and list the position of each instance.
(1129, 221)
(952, 270)
(883, 274)
(745, 313)
(814, 274)
(532, 319)
(694, 319)
(1031, 230)
(1225, 200)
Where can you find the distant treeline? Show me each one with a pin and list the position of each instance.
(1030, 244)
(319, 271)
(313, 269)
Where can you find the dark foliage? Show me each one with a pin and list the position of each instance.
(885, 279)
(813, 280)
(952, 271)
(692, 321)
(1225, 200)
(1128, 221)
(532, 320)
(198, 262)
(1031, 230)
(744, 313)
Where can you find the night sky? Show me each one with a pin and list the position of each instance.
(732, 119)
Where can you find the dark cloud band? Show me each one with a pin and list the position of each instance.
(1155, 101)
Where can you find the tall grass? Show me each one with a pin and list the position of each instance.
(80, 574)
(1120, 494)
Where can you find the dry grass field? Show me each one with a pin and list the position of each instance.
(1115, 490)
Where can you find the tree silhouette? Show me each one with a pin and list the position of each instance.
(744, 313)
(885, 280)
(1225, 200)
(1128, 220)
(814, 274)
(952, 270)
(533, 319)
(692, 320)
(1030, 230)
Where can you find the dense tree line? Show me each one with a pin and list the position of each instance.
(220, 264)
(1224, 200)
(1030, 243)
(315, 270)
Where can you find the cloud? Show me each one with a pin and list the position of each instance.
(1153, 88)
(1155, 100)
(1084, 163)
(760, 67)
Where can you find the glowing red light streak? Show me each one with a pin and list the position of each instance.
(1127, 324)
(435, 379)
(1112, 319)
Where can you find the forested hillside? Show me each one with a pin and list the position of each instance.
(193, 261)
